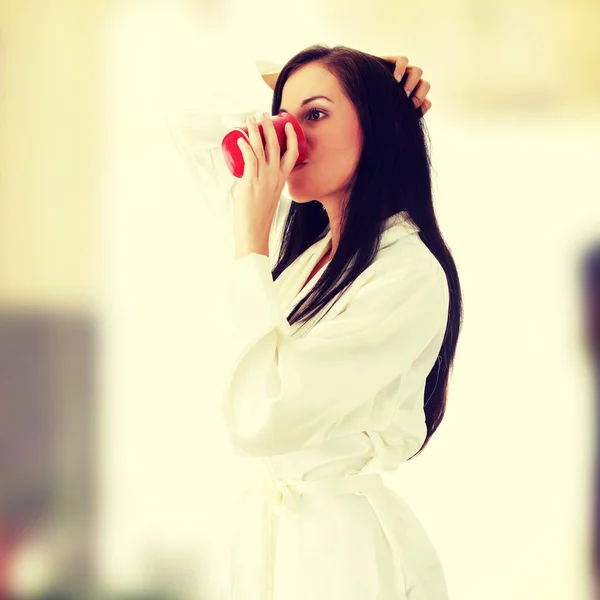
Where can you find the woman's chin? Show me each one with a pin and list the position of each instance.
(299, 197)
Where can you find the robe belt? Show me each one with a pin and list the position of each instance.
(281, 497)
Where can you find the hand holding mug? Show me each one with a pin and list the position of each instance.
(265, 174)
(231, 150)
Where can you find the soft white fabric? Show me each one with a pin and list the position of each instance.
(340, 399)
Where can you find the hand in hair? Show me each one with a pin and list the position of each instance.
(419, 88)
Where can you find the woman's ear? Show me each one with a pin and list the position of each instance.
(269, 71)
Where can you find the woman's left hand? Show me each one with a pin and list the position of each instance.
(259, 190)
(419, 88)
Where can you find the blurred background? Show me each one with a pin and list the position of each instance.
(114, 461)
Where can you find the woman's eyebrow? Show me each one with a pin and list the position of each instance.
(304, 102)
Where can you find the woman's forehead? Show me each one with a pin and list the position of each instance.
(310, 80)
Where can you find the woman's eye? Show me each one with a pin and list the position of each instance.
(313, 110)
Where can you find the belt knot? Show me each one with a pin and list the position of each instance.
(281, 496)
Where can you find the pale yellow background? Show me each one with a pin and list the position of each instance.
(98, 215)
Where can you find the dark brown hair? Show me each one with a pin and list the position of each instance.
(384, 183)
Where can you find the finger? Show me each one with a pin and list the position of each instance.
(272, 150)
(425, 106)
(255, 139)
(400, 64)
(250, 165)
(412, 78)
(288, 160)
(420, 91)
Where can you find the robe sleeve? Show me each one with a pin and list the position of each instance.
(197, 134)
(284, 393)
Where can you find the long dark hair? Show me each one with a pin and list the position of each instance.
(393, 175)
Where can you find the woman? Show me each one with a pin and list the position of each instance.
(355, 253)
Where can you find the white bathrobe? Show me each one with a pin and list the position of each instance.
(318, 416)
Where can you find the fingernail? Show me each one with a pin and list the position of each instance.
(407, 92)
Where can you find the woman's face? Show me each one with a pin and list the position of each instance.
(333, 136)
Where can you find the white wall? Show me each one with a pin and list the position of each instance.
(504, 486)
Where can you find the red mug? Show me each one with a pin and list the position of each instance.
(233, 155)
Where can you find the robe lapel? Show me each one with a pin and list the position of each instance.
(290, 282)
